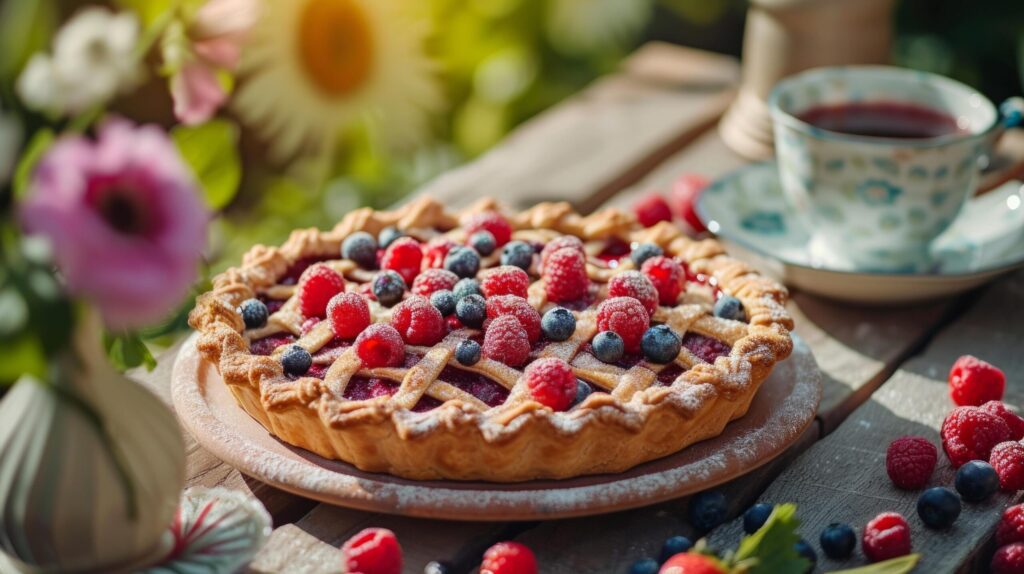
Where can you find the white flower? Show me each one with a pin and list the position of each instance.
(10, 138)
(38, 86)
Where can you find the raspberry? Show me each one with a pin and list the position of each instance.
(491, 221)
(349, 315)
(626, 317)
(1012, 420)
(969, 433)
(636, 285)
(380, 345)
(667, 276)
(316, 287)
(1009, 559)
(373, 551)
(886, 536)
(519, 308)
(419, 322)
(685, 192)
(687, 563)
(565, 276)
(651, 209)
(551, 383)
(1008, 460)
(508, 558)
(1011, 526)
(506, 341)
(974, 382)
(434, 280)
(436, 250)
(558, 243)
(505, 280)
(910, 461)
(404, 257)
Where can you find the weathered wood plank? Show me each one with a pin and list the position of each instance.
(842, 478)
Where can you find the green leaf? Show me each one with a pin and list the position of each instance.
(22, 355)
(127, 351)
(25, 28)
(772, 549)
(37, 146)
(211, 150)
(900, 565)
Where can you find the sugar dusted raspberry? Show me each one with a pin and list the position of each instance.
(434, 280)
(508, 558)
(349, 314)
(1011, 525)
(403, 256)
(551, 383)
(519, 308)
(651, 209)
(505, 280)
(373, 551)
(419, 322)
(910, 461)
(491, 221)
(667, 276)
(506, 341)
(1012, 419)
(685, 192)
(380, 345)
(636, 285)
(626, 317)
(558, 243)
(974, 382)
(317, 285)
(886, 536)
(969, 433)
(1009, 559)
(435, 250)
(1008, 460)
(565, 276)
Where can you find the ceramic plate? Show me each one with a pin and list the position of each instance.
(747, 210)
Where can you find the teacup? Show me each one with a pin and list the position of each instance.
(867, 196)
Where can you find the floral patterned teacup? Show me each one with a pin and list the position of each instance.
(878, 201)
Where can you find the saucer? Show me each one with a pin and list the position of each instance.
(748, 210)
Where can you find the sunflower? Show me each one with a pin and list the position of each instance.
(315, 67)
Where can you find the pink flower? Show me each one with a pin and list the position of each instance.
(216, 34)
(124, 218)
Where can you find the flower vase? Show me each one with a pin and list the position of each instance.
(91, 467)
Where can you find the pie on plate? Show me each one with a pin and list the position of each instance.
(490, 345)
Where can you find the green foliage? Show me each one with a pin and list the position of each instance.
(25, 28)
(211, 150)
(127, 351)
(900, 565)
(772, 549)
(33, 152)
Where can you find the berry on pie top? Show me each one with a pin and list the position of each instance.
(508, 558)
(608, 347)
(462, 261)
(403, 256)
(667, 276)
(886, 536)
(388, 287)
(910, 461)
(969, 433)
(636, 285)
(557, 243)
(1008, 559)
(467, 352)
(583, 390)
(506, 341)
(380, 345)
(1011, 526)
(645, 251)
(349, 315)
(316, 287)
(1012, 419)
(974, 382)
(729, 307)
(685, 192)
(651, 209)
(558, 324)
(373, 551)
(565, 276)
(435, 250)
(505, 280)
(1007, 459)
(483, 241)
(491, 221)
(660, 344)
(254, 313)
(518, 254)
(551, 383)
(517, 307)
(467, 286)
(387, 236)
(444, 301)
(625, 316)
(419, 322)
(433, 280)
(361, 248)
(471, 311)
(296, 361)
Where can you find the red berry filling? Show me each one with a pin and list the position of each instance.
(669, 374)
(706, 348)
(613, 253)
(266, 345)
(361, 388)
(475, 384)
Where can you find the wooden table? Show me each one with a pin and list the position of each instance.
(885, 369)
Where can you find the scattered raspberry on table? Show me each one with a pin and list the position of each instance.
(910, 461)
(974, 382)
(886, 536)
(373, 551)
(969, 433)
(508, 558)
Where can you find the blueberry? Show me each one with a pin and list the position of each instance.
(838, 541)
(729, 307)
(558, 324)
(444, 301)
(938, 507)
(660, 344)
(807, 551)
(471, 311)
(360, 247)
(755, 517)
(254, 313)
(388, 287)
(583, 390)
(296, 361)
(708, 510)
(462, 261)
(674, 545)
(467, 352)
(483, 241)
(608, 346)
(643, 252)
(388, 235)
(436, 567)
(976, 481)
(644, 566)
(467, 287)
(517, 253)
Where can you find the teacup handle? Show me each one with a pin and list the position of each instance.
(1011, 113)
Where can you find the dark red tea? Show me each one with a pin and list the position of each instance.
(882, 120)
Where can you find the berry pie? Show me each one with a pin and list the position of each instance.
(489, 345)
